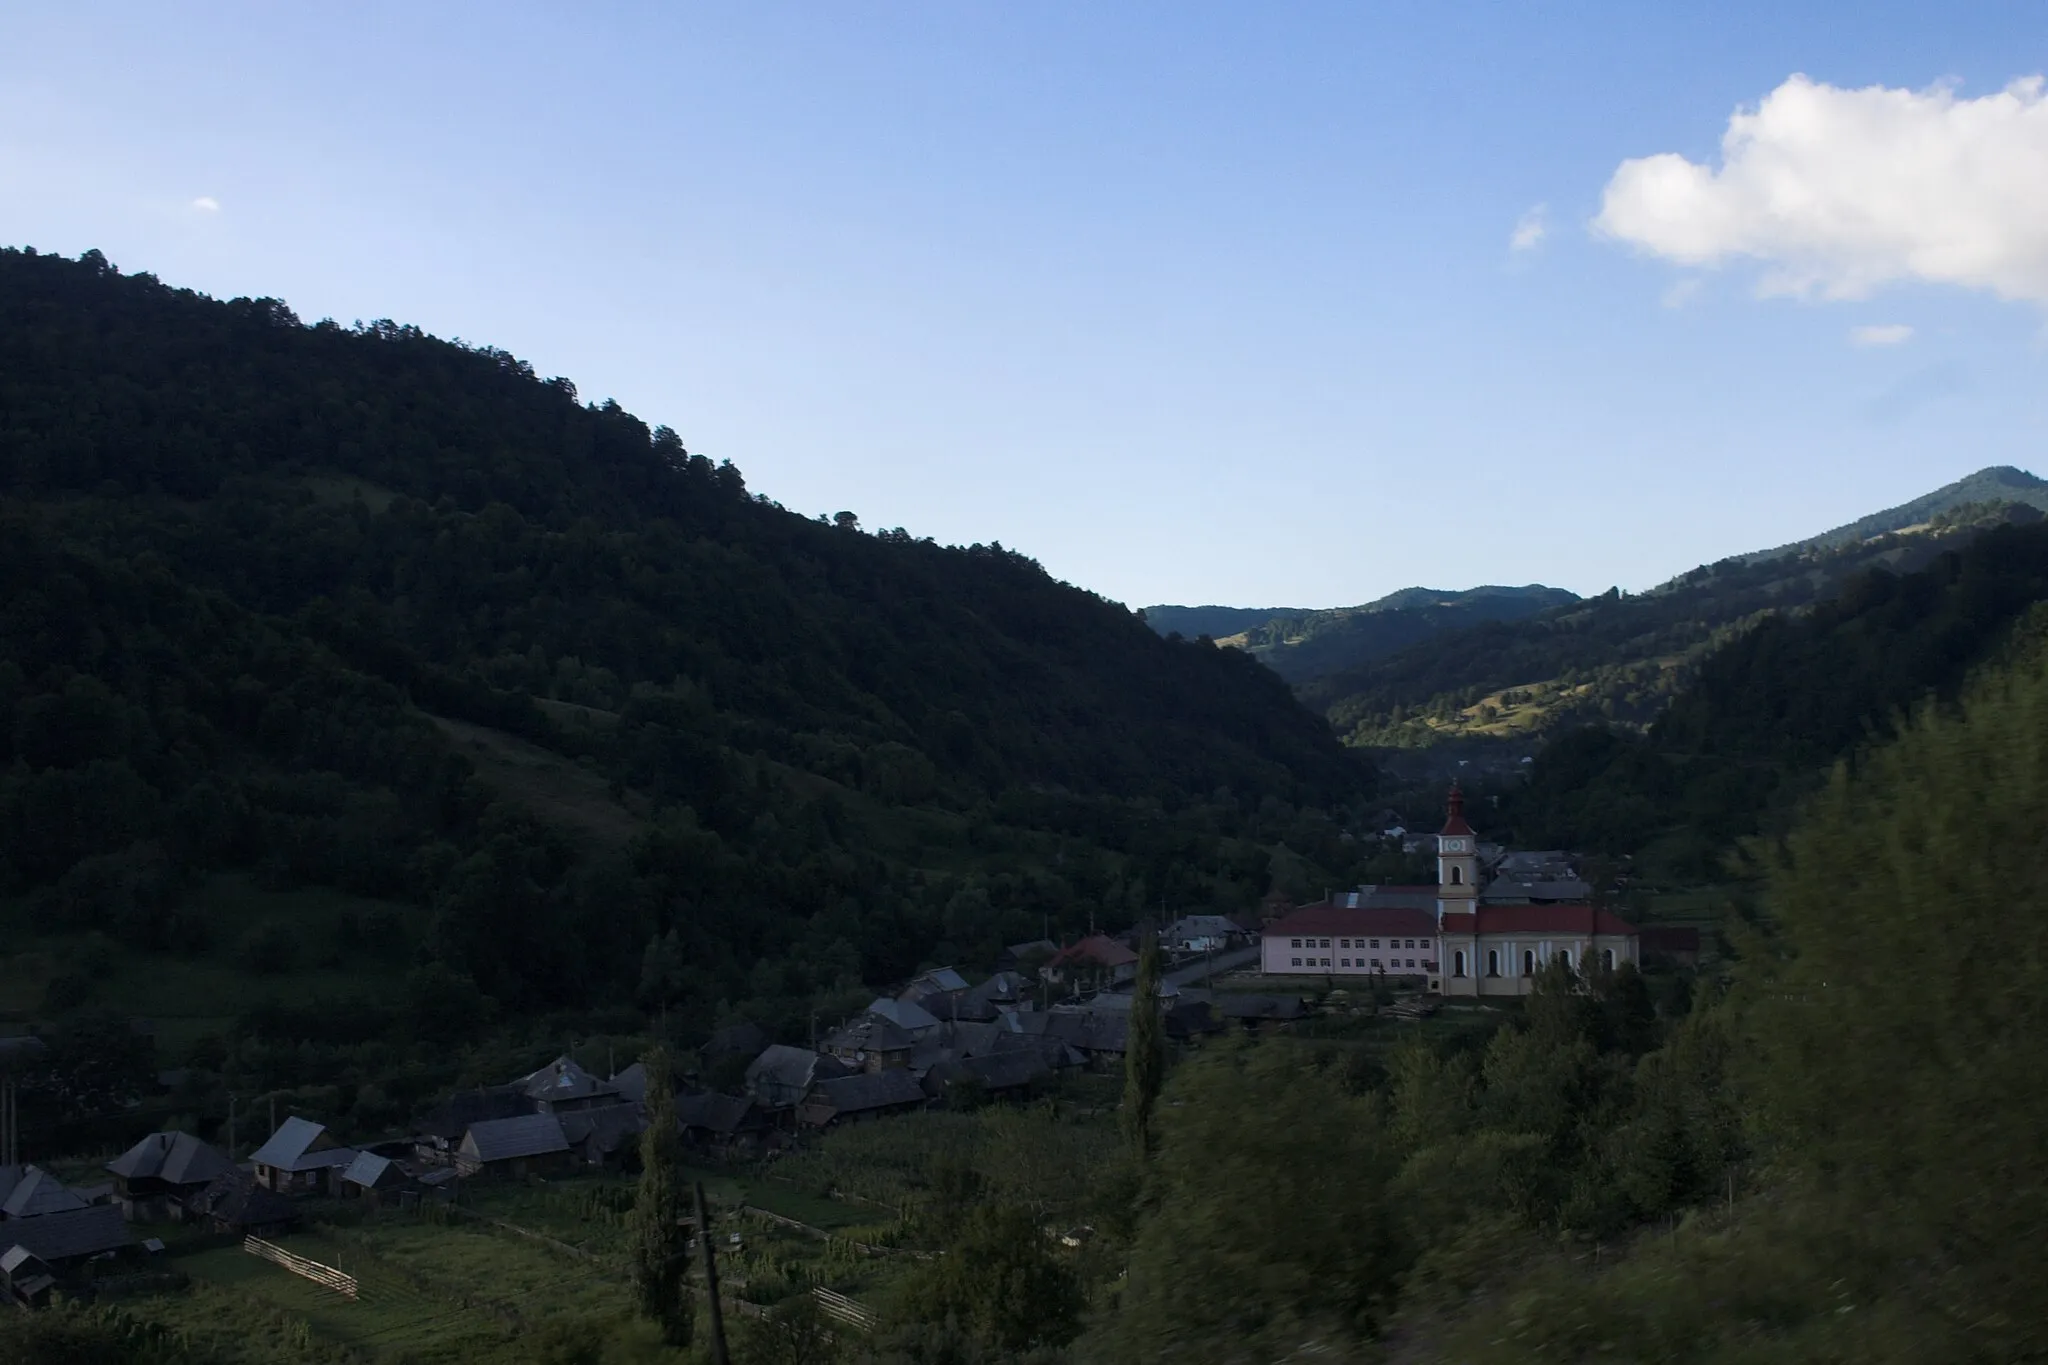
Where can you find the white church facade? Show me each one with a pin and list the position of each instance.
(1451, 935)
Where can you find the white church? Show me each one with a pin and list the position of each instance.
(1461, 937)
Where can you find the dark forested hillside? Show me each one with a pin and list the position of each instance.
(1765, 714)
(257, 574)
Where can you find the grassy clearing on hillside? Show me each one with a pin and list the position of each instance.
(343, 489)
(556, 789)
(191, 994)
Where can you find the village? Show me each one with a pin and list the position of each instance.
(817, 1153)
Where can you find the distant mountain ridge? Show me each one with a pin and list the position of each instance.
(1302, 644)
(1991, 485)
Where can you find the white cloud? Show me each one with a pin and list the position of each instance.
(1530, 229)
(1881, 334)
(206, 203)
(1841, 191)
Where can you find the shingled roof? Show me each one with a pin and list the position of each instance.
(508, 1139)
(451, 1118)
(869, 1033)
(301, 1145)
(562, 1081)
(870, 1090)
(236, 1199)
(68, 1236)
(38, 1194)
(711, 1113)
(606, 1128)
(373, 1172)
(174, 1158)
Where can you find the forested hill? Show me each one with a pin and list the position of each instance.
(1993, 485)
(1615, 658)
(258, 571)
(1302, 645)
(1765, 715)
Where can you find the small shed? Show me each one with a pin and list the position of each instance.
(376, 1180)
(27, 1277)
(531, 1144)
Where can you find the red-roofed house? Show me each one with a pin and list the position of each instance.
(1098, 960)
(1461, 945)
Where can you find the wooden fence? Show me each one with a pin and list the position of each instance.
(841, 1309)
(326, 1276)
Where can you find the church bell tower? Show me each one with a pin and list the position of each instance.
(1457, 863)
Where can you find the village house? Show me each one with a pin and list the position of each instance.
(1203, 934)
(1096, 962)
(998, 1075)
(562, 1086)
(856, 1098)
(870, 1042)
(234, 1203)
(782, 1075)
(32, 1192)
(45, 1249)
(602, 1136)
(154, 1178)
(531, 1144)
(723, 1123)
(300, 1158)
(1465, 943)
(440, 1130)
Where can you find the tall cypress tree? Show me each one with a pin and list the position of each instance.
(1144, 1052)
(661, 1244)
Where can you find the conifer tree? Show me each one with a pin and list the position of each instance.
(1144, 1052)
(661, 1244)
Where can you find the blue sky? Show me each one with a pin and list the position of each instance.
(1193, 302)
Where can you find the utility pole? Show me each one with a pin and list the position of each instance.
(710, 1259)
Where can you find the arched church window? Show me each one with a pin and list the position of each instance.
(1493, 962)
(1457, 876)
(1528, 962)
(1458, 964)
(1608, 955)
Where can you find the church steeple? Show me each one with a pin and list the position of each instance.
(1457, 863)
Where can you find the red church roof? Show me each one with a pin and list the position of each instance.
(1325, 918)
(1537, 919)
(1456, 823)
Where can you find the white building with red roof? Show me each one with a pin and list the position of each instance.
(1447, 934)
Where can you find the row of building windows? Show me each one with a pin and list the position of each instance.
(1528, 961)
(1347, 962)
(1346, 943)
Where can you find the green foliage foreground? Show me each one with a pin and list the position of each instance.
(1839, 1159)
